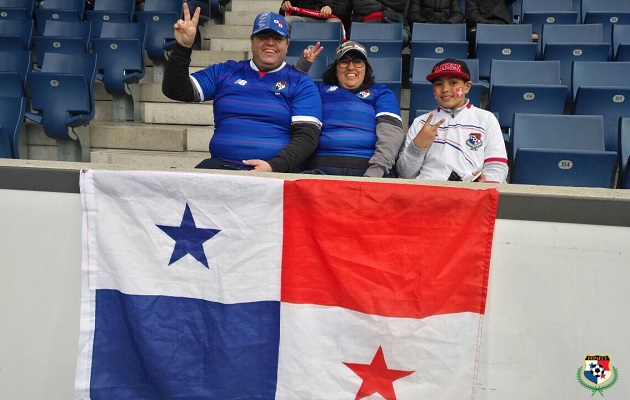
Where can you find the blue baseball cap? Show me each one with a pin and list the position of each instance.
(272, 21)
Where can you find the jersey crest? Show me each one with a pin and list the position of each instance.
(474, 141)
(364, 94)
(280, 86)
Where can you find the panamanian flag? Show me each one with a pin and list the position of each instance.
(216, 286)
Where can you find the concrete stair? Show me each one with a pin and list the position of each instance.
(170, 134)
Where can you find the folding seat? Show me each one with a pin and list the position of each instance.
(121, 65)
(503, 42)
(16, 9)
(317, 69)
(12, 111)
(16, 34)
(62, 37)
(438, 41)
(160, 16)
(576, 42)
(14, 66)
(525, 87)
(422, 97)
(388, 71)
(558, 167)
(380, 39)
(542, 12)
(110, 11)
(607, 13)
(624, 152)
(304, 34)
(621, 42)
(62, 101)
(602, 88)
(59, 10)
(560, 150)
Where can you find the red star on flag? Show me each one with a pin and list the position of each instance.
(377, 378)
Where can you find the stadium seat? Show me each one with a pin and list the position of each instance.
(59, 10)
(438, 41)
(16, 34)
(602, 88)
(561, 150)
(121, 65)
(62, 101)
(14, 66)
(576, 42)
(380, 40)
(422, 97)
(16, 9)
(559, 167)
(62, 37)
(624, 152)
(159, 16)
(388, 71)
(621, 42)
(525, 87)
(317, 69)
(550, 131)
(304, 34)
(607, 13)
(538, 13)
(110, 11)
(12, 111)
(503, 42)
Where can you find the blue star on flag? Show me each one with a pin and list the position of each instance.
(188, 238)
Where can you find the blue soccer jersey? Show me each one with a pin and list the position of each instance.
(349, 128)
(253, 111)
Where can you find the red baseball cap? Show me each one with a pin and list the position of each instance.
(449, 67)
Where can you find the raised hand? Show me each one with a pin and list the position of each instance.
(427, 134)
(186, 29)
(311, 52)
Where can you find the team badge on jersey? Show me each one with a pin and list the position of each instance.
(280, 86)
(241, 82)
(364, 94)
(597, 374)
(474, 141)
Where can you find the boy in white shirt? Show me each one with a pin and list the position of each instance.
(464, 142)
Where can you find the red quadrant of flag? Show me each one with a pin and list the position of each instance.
(396, 250)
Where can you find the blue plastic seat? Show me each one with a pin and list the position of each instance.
(110, 11)
(550, 131)
(16, 34)
(120, 50)
(607, 13)
(160, 18)
(63, 37)
(422, 97)
(62, 93)
(16, 9)
(438, 41)
(525, 87)
(624, 152)
(14, 65)
(558, 167)
(388, 71)
(538, 13)
(602, 88)
(317, 69)
(621, 42)
(503, 42)
(304, 34)
(569, 43)
(384, 40)
(59, 10)
(12, 111)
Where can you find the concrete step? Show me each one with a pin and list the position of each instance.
(256, 6)
(149, 159)
(226, 31)
(219, 44)
(178, 113)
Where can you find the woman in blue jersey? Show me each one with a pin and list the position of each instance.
(361, 127)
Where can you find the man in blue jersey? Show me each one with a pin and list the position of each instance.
(267, 114)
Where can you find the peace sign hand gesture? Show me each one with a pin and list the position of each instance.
(427, 134)
(186, 29)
